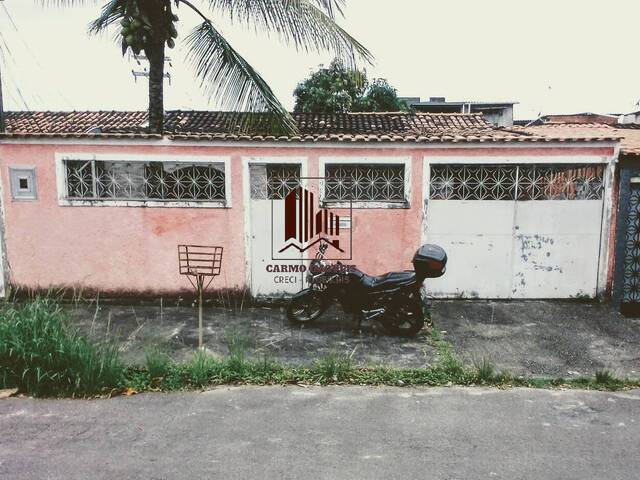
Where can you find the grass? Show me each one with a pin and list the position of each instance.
(42, 355)
(157, 363)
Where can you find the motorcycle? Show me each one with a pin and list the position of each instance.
(394, 299)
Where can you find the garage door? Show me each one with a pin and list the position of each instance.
(516, 231)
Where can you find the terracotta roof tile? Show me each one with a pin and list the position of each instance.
(208, 125)
(628, 135)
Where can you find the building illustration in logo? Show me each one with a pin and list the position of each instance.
(303, 227)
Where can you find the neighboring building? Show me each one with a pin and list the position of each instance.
(573, 118)
(630, 118)
(521, 215)
(499, 114)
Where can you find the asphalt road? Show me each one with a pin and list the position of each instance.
(325, 433)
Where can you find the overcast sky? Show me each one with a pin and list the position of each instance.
(551, 56)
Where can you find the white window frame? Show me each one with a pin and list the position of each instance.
(61, 179)
(405, 161)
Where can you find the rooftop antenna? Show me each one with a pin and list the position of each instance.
(145, 72)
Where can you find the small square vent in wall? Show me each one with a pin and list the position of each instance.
(23, 183)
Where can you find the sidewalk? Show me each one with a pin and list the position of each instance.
(526, 337)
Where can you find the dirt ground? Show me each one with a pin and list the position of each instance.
(559, 338)
(525, 337)
(175, 330)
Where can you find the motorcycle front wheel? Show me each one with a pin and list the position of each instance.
(305, 307)
(406, 317)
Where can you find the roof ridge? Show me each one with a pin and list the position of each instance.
(313, 127)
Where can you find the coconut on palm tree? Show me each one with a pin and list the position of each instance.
(150, 26)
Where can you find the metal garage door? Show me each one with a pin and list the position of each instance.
(516, 231)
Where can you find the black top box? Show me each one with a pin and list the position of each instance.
(430, 261)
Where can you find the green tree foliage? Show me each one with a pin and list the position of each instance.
(337, 89)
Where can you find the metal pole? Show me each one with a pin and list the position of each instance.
(200, 287)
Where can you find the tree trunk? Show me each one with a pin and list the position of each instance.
(155, 54)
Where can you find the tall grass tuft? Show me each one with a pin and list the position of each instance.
(606, 378)
(333, 368)
(42, 355)
(157, 362)
(203, 369)
(237, 343)
(485, 371)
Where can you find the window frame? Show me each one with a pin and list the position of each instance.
(366, 204)
(64, 200)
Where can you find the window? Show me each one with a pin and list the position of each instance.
(365, 183)
(273, 181)
(23, 183)
(145, 181)
(516, 182)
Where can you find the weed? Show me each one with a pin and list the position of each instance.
(203, 369)
(156, 362)
(332, 368)
(485, 371)
(607, 379)
(41, 354)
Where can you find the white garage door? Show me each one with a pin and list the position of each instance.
(516, 231)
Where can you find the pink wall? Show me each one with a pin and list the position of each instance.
(134, 249)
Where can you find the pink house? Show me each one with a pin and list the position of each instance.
(91, 201)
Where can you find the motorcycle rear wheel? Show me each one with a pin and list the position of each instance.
(305, 308)
(406, 317)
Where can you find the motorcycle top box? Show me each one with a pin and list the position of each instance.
(430, 261)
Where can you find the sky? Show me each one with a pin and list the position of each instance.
(550, 56)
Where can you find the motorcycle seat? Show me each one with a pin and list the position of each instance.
(388, 280)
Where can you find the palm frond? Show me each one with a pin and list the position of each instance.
(309, 25)
(67, 3)
(331, 7)
(226, 76)
(111, 13)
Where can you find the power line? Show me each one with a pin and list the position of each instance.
(32, 54)
(8, 72)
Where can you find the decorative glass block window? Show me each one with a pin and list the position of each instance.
(23, 183)
(273, 181)
(364, 183)
(145, 181)
(517, 182)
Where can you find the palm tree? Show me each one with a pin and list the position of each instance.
(151, 26)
